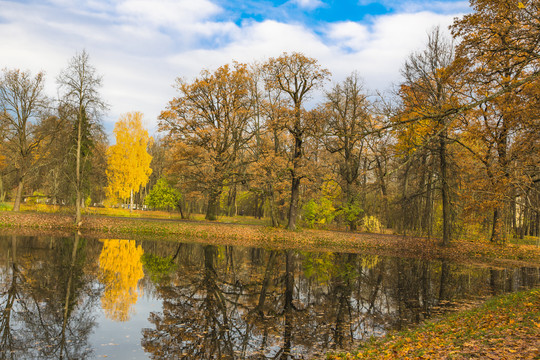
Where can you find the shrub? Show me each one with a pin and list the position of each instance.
(320, 211)
(371, 224)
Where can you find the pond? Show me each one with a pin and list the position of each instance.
(82, 298)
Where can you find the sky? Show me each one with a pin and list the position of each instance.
(140, 47)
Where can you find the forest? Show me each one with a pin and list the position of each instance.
(453, 151)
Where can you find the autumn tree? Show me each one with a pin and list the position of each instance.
(297, 76)
(347, 121)
(79, 86)
(23, 107)
(428, 92)
(499, 47)
(128, 160)
(268, 175)
(208, 125)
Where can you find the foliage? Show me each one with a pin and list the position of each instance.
(120, 270)
(371, 224)
(128, 160)
(159, 268)
(351, 213)
(163, 196)
(35, 198)
(5, 206)
(505, 327)
(320, 266)
(319, 211)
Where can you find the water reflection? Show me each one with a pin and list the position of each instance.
(48, 303)
(120, 271)
(216, 301)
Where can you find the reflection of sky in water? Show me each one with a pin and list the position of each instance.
(122, 340)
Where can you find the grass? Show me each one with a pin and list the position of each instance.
(125, 213)
(505, 327)
(220, 233)
(5, 206)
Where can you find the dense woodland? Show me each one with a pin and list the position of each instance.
(453, 151)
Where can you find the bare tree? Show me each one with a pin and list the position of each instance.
(79, 86)
(22, 109)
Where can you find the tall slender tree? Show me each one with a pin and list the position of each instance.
(298, 76)
(428, 92)
(79, 86)
(347, 122)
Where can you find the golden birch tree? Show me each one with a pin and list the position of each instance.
(128, 160)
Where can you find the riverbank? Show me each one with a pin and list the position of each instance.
(479, 252)
(505, 327)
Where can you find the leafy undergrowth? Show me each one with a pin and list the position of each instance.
(506, 327)
(260, 236)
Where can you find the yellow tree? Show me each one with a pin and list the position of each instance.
(128, 160)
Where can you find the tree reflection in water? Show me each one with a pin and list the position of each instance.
(234, 303)
(55, 302)
(120, 271)
(221, 302)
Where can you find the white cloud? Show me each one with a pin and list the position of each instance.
(140, 50)
(308, 4)
(167, 13)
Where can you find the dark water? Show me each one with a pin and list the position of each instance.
(77, 298)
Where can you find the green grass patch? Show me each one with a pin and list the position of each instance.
(5, 206)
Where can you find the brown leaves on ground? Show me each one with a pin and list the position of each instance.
(258, 236)
(503, 328)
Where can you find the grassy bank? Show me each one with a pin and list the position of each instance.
(261, 236)
(506, 327)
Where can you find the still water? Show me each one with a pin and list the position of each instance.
(79, 298)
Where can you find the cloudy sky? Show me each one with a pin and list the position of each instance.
(141, 46)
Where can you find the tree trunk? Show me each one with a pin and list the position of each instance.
(445, 191)
(131, 201)
(213, 205)
(495, 232)
(293, 208)
(2, 192)
(18, 196)
(78, 170)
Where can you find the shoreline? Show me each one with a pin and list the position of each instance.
(94, 226)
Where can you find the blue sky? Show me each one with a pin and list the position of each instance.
(140, 47)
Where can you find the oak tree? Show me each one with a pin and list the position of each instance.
(297, 76)
(209, 125)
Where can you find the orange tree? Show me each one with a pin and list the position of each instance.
(208, 126)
